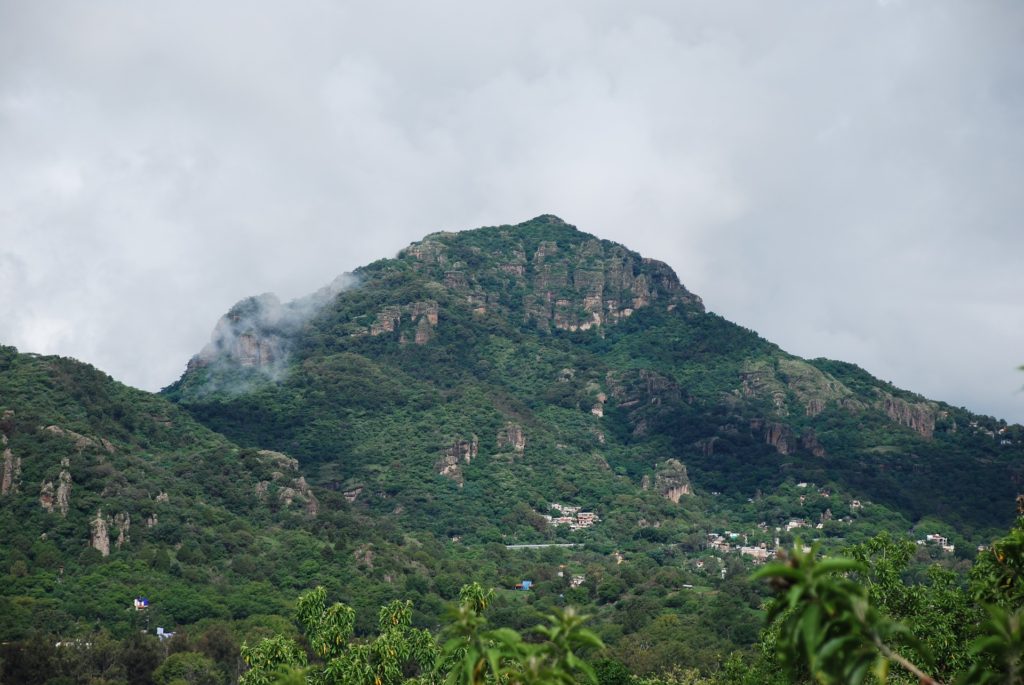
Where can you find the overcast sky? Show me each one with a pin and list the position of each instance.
(846, 177)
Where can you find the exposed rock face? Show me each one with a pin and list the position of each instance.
(256, 333)
(448, 466)
(812, 387)
(778, 435)
(639, 387)
(572, 285)
(758, 380)
(388, 321)
(10, 484)
(809, 442)
(777, 381)
(46, 496)
(707, 445)
(422, 317)
(597, 286)
(297, 489)
(671, 480)
(423, 332)
(280, 460)
(919, 416)
(512, 436)
(152, 520)
(61, 496)
(123, 523)
(163, 497)
(250, 335)
(10, 479)
(100, 538)
(302, 493)
(351, 495)
(598, 408)
(460, 452)
(82, 441)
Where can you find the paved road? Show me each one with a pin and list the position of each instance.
(549, 544)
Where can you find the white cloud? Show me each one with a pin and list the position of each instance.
(842, 177)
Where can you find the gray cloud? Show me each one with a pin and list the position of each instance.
(842, 177)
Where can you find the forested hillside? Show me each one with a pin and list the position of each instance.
(527, 407)
(535, 363)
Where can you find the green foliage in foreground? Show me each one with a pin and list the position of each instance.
(835, 619)
(471, 654)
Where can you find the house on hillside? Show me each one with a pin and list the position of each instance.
(759, 554)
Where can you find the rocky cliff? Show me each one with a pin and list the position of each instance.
(454, 456)
(573, 284)
(671, 480)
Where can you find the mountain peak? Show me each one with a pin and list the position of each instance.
(547, 218)
(546, 274)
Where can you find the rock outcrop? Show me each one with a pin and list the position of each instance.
(10, 478)
(280, 460)
(64, 487)
(918, 416)
(249, 335)
(290, 486)
(512, 436)
(123, 523)
(783, 379)
(100, 534)
(814, 389)
(10, 483)
(573, 285)
(424, 332)
(758, 380)
(299, 491)
(598, 408)
(778, 435)
(707, 446)
(257, 332)
(809, 442)
(458, 453)
(671, 480)
(80, 441)
(417, 319)
(59, 497)
(46, 495)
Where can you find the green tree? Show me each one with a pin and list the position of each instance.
(830, 628)
(268, 657)
(188, 667)
(473, 655)
(397, 653)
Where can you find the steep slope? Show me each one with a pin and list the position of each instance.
(478, 376)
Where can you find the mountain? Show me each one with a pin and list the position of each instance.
(421, 422)
(520, 365)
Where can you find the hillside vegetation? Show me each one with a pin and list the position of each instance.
(508, 404)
